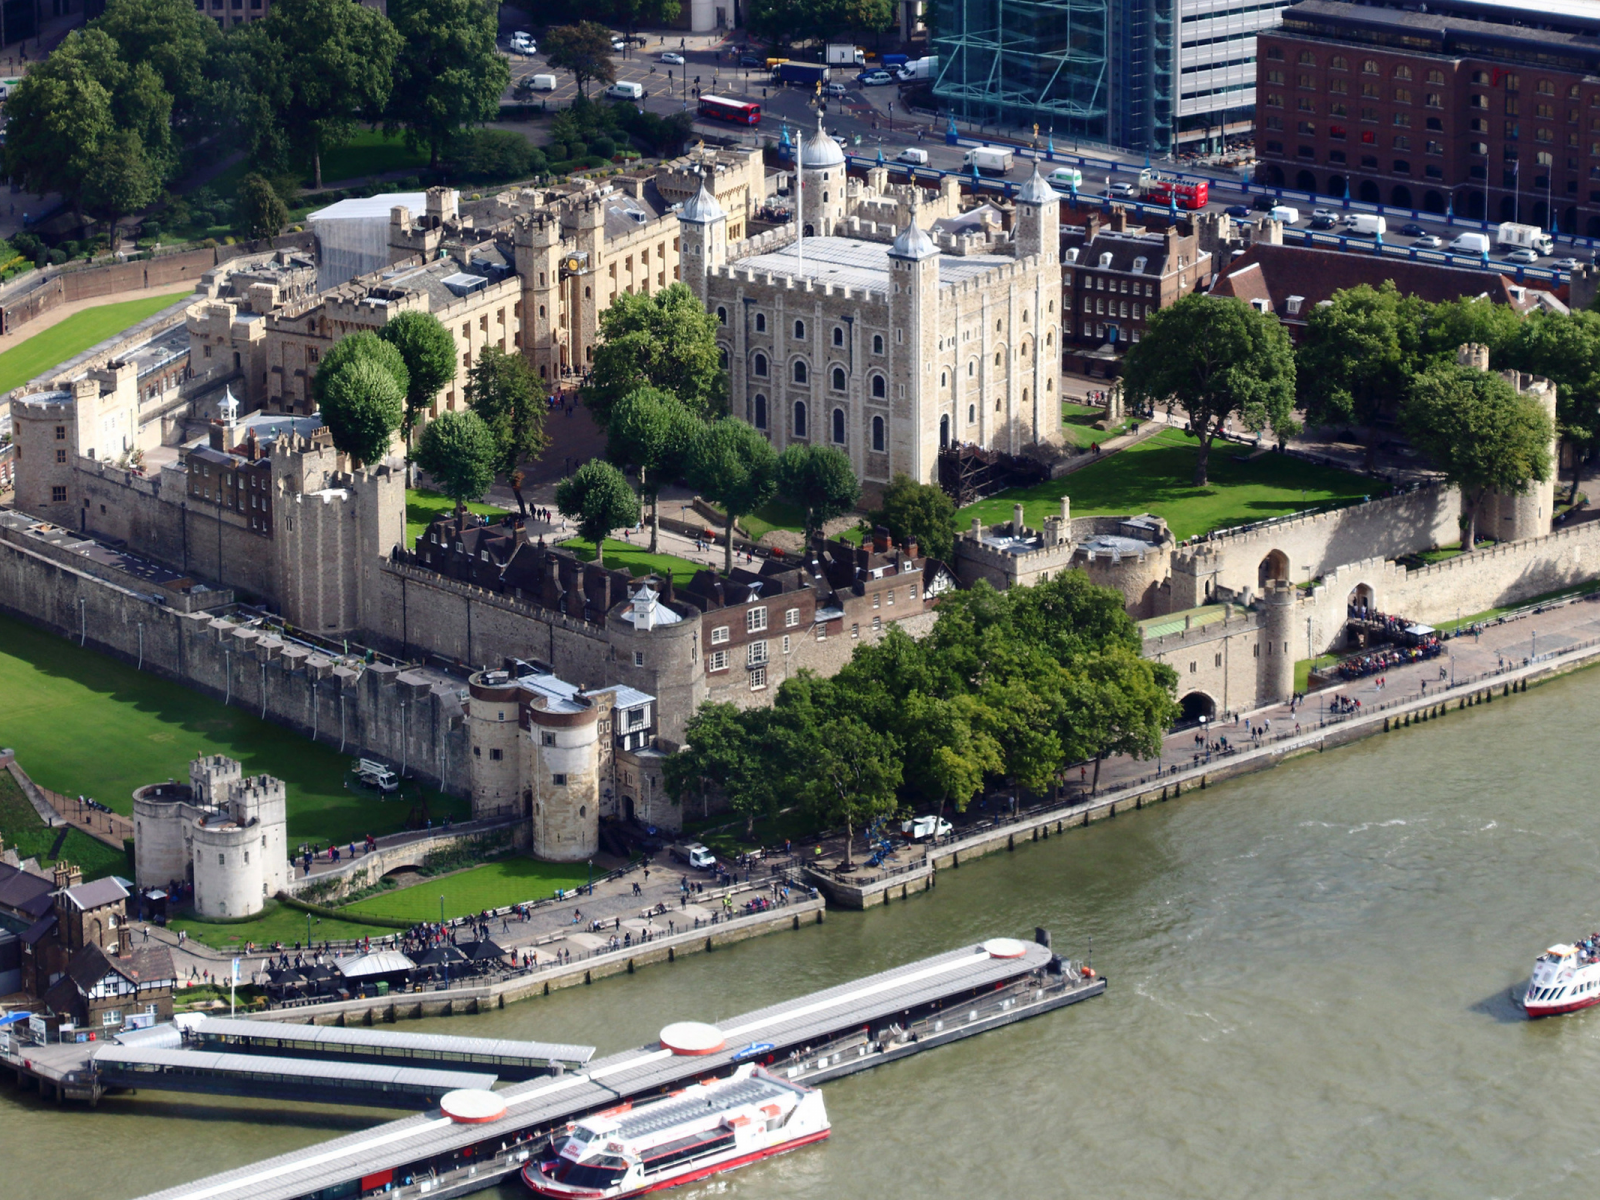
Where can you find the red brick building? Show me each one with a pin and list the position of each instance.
(1472, 105)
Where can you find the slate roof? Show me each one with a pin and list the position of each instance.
(96, 894)
(24, 892)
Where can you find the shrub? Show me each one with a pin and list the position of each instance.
(487, 154)
(56, 257)
(152, 229)
(603, 146)
(577, 150)
(557, 152)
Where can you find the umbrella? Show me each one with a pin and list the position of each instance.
(439, 956)
(482, 951)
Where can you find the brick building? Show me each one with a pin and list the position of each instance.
(1116, 275)
(1466, 106)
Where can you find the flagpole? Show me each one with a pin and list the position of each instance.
(233, 982)
(800, 200)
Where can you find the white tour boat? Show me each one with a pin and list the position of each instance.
(1565, 979)
(704, 1129)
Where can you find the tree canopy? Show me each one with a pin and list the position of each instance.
(1214, 357)
(598, 498)
(261, 208)
(788, 22)
(666, 340)
(734, 466)
(504, 391)
(922, 511)
(583, 49)
(449, 74)
(1565, 349)
(652, 432)
(820, 480)
(457, 451)
(358, 409)
(428, 351)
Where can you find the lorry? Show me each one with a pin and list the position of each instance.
(1469, 243)
(1511, 236)
(801, 74)
(846, 55)
(919, 829)
(990, 160)
(1367, 225)
(694, 854)
(374, 774)
(919, 69)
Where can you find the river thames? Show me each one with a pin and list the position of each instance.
(1311, 974)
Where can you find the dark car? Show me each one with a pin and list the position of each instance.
(1264, 203)
(1238, 212)
(1412, 230)
(1324, 221)
(752, 60)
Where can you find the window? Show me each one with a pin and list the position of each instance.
(787, 644)
(719, 635)
(1402, 167)
(761, 411)
(111, 1016)
(638, 658)
(761, 322)
(838, 379)
(838, 335)
(758, 679)
(1402, 72)
(880, 387)
(799, 331)
(1402, 95)
(559, 780)
(547, 739)
(222, 860)
(755, 653)
(1402, 143)
(61, 456)
(1274, 76)
(877, 343)
(496, 754)
(838, 427)
(791, 618)
(718, 661)
(58, 495)
(755, 620)
(1306, 81)
(759, 365)
(1338, 63)
(722, 315)
(800, 375)
(1275, 53)
(799, 419)
(877, 434)
(61, 433)
(1402, 120)
(972, 413)
(1369, 67)
(855, 631)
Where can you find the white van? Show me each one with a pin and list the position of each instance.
(1367, 225)
(917, 158)
(625, 90)
(1066, 177)
(541, 83)
(1470, 243)
(1289, 216)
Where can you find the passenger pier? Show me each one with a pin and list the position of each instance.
(811, 1039)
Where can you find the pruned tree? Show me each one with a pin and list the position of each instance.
(1214, 357)
(733, 466)
(504, 391)
(598, 499)
(653, 433)
(428, 350)
(262, 211)
(449, 74)
(820, 480)
(666, 340)
(457, 451)
(361, 405)
(922, 511)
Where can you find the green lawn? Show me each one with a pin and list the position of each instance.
(30, 837)
(422, 506)
(637, 559)
(491, 885)
(774, 514)
(77, 333)
(282, 924)
(368, 153)
(1077, 424)
(1490, 614)
(1156, 477)
(1303, 669)
(82, 722)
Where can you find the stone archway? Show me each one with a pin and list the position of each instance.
(1432, 201)
(1362, 601)
(1369, 193)
(1400, 196)
(1274, 176)
(1274, 566)
(1196, 705)
(1306, 181)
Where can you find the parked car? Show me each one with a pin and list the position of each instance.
(1567, 264)
(874, 78)
(619, 44)
(522, 42)
(694, 855)
(921, 828)
(673, 57)
(752, 60)
(1429, 241)
(1523, 257)
(835, 90)
(625, 90)
(1238, 212)
(1412, 230)
(1324, 220)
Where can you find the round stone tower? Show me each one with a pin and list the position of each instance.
(823, 179)
(1275, 670)
(160, 851)
(493, 720)
(565, 736)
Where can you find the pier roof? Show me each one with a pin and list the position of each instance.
(343, 1040)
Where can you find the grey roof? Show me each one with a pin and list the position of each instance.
(419, 1044)
(1036, 190)
(367, 208)
(851, 262)
(702, 208)
(24, 891)
(96, 894)
(305, 1068)
(379, 962)
(628, 697)
(913, 243)
(819, 151)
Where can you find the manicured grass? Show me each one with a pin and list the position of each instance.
(77, 333)
(1303, 669)
(1156, 477)
(1077, 424)
(775, 514)
(637, 559)
(282, 924)
(424, 506)
(82, 722)
(1582, 589)
(30, 837)
(491, 885)
(368, 153)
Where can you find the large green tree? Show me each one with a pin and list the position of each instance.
(666, 340)
(728, 753)
(653, 433)
(597, 497)
(1564, 348)
(361, 405)
(179, 43)
(504, 391)
(734, 466)
(1480, 432)
(457, 451)
(922, 511)
(261, 210)
(583, 49)
(1214, 357)
(120, 180)
(1450, 324)
(428, 350)
(820, 480)
(448, 75)
(853, 775)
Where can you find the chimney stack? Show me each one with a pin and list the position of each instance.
(1016, 520)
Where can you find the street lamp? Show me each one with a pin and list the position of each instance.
(441, 910)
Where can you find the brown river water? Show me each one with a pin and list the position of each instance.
(1311, 974)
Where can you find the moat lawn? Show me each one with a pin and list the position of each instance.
(509, 880)
(1156, 476)
(82, 722)
(53, 346)
(636, 557)
(423, 508)
(280, 923)
(30, 837)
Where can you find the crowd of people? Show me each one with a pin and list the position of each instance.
(1383, 661)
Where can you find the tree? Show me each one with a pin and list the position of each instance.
(457, 451)
(428, 350)
(1480, 432)
(652, 432)
(1565, 349)
(361, 404)
(667, 341)
(599, 499)
(1117, 703)
(1451, 324)
(504, 391)
(363, 344)
(330, 64)
(1214, 357)
(725, 752)
(852, 775)
(1357, 356)
(921, 511)
(120, 180)
(178, 42)
(655, 12)
(734, 466)
(449, 73)
(584, 49)
(261, 210)
(820, 480)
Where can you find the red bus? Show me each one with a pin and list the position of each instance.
(1161, 189)
(720, 108)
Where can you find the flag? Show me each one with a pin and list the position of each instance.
(236, 972)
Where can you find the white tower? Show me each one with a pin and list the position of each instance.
(1034, 414)
(824, 179)
(915, 430)
(703, 239)
(1038, 219)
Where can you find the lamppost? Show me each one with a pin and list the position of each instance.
(441, 910)
(1533, 651)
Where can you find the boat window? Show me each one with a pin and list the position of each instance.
(604, 1172)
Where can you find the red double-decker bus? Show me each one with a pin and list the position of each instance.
(720, 108)
(1162, 189)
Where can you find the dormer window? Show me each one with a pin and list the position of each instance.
(1105, 258)
(1293, 305)
(1138, 265)
(1072, 255)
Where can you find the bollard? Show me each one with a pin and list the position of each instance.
(1386, 724)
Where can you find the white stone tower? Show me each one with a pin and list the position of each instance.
(1038, 221)
(924, 420)
(703, 239)
(1036, 415)
(824, 179)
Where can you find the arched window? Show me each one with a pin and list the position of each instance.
(541, 312)
(761, 322)
(759, 366)
(877, 343)
(877, 433)
(722, 315)
(838, 379)
(838, 335)
(761, 411)
(799, 371)
(972, 413)
(722, 356)
(972, 368)
(838, 426)
(944, 378)
(999, 357)
(799, 419)
(799, 331)
(880, 389)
